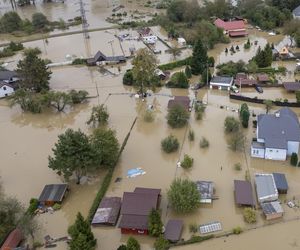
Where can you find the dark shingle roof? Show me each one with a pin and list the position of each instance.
(222, 79)
(7, 74)
(243, 193)
(280, 181)
(53, 192)
(180, 100)
(173, 230)
(291, 86)
(134, 221)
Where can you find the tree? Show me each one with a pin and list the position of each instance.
(177, 116)
(29, 226)
(231, 124)
(268, 104)
(175, 51)
(128, 78)
(78, 96)
(105, 147)
(144, 65)
(122, 247)
(199, 58)
(236, 142)
(294, 159)
(183, 196)
(132, 244)
(39, 20)
(188, 72)
(81, 234)
(187, 162)
(264, 57)
(33, 73)
(244, 115)
(252, 67)
(292, 28)
(249, 215)
(73, 154)
(28, 101)
(161, 243)
(170, 144)
(10, 22)
(99, 115)
(297, 93)
(155, 225)
(58, 100)
(178, 80)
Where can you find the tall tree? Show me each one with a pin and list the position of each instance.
(33, 73)
(10, 22)
(155, 225)
(244, 115)
(199, 58)
(39, 20)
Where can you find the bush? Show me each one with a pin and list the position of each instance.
(191, 135)
(79, 61)
(231, 124)
(187, 162)
(178, 80)
(15, 46)
(294, 159)
(193, 228)
(177, 116)
(249, 215)
(148, 116)
(244, 115)
(155, 225)
(238, 166)
(132, 244)
(170, 144)
(204, 143)
(78, 96)
(128, 78)
(56, 206)
(33, 205)
(237, 230)
(39, 20)
(161, 243)
(99, 115)
(34, 51)
(173, 65)
(231, 68)
(199, 110)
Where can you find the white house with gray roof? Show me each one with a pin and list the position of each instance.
(278, 135)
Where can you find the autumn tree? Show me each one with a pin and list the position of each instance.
(199, 58)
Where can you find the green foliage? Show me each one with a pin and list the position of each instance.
(39, 20)
(6, 52)
(247, 45)
(149, 116)
(33, 205)
(58, 100)
(78, 96)
(161, 243)
(128, 78)
(231, 68)
(238, 166)
(132, 244)
(204, 143)
(79, 61)
(176, 64)
(297, 93)
(56, 206)
(199, 58)
(194, 239)
(249, 215)
(178, 80)
(177, 116)
(247, 175)
(294, 159)
(10, 22)
(264, 57)
(237, 230)
(244, 115)
(193, 228)
(199, 110)
(99, 115)
(231, 124)
(183, 196)
(269, 104)
(122, 247)
(155, 224)
(32, 51)
(236, 142)
(15, 46)
(183, 11)
(187, 162)
(81, 234)
(251, 67)
(188, 72)
(170, 144)
(191, 135)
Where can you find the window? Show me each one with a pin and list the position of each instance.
(271, 150)
(4, 88)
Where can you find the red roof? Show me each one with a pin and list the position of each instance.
(247, 82)
(238, 33)
(231, 25)
(262, 77)
(13, 240)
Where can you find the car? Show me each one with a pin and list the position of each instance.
(258, 89)
(234, 89)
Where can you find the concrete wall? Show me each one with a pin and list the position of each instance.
(275, 154)
(293, 147)
(257, 152)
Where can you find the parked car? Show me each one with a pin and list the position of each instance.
(234, 89)
(258, 89)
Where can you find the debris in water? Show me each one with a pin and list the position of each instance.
(135, 172)
(118, 179)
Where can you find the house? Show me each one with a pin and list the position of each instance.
(149, 39)
(221, 82)
(232, 28)
(100, 57)
(162, 75)
(284, 51)
(278, 135)
(281, 183)
(13, 240)
(173, 230)
(262, 78)
(296, 12)
(145, 32)
(135, 210)
(53, 193)
(243, 80)
(291, 86)
(181, 41)
(8, 76)
(243, 193)
(265, 188)
(206, 191)
(180, 100)
(272, 210)
(108, 212)
(6, 89)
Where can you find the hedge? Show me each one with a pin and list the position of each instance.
(270, 70)
(173, 65)
(194, 239)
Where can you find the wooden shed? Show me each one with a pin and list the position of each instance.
(53, 193)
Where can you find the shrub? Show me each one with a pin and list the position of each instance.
(122, 247)
(33, 205)
(148, 116)
(79, 61)
(161, 243)
(237, 230)
(244, 115)
(39, 20)
(34, 51)
(231, 124)
(249, 215)
(15, 46)
(56, 206)
(193, 228)
(176, 64)
(191, 135)
(177, 116)
(247, 175)
(128, 78)
(178, 80)
(294, 159)
(170, 144)
(155, 225)
(199, 110)
(99, 115)
(132, 244)
(78, 96)
(187, 162)
(204, 143)
(238, 166)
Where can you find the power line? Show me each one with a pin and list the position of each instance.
(83, 19)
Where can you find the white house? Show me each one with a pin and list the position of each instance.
(6, 90)
(221, 82)
(278, 135)
(296, 12)
(150, 39)
(181, 42)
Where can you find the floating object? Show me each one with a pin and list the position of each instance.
(137, 96)
(210, 227)
(291, 204)
(135, 172)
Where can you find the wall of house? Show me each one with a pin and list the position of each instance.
(258, 152)
(275, 154)
(134, 231)
(6, 91)
(293, 147)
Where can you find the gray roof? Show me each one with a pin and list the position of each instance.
(296, 11)
(7, 74)
(173, 230)
(53, 192)
(206, 189)
(265, 187)
(280, 181)
(279, 128)
(272, 208)
(222, 79)
(256, 144)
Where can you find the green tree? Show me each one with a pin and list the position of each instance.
(128, 78)
(199, 58)
(188, 72)
(144, 65)
(187, 162)
(264, 57)
(268, 104)
(297, 93)
(28, 101)
(72, 154)
(294, 159)
(78, 96)
(252, 67)
(58, 100)
(183, 196)
(177, 116)
(10, 22)
(161, 243)
(33, 73)
(39, 20)
(29, 226)
(170, 144)
(122, 247)
(236, 142)
(249, 215)
(231, 124)
(99, 115)
(81, 234)
(244, 115)
(155, 225)
(178, 80)
(132, 244)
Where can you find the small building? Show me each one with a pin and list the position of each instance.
(150, 39)
(180, 100)
(135, 210)
(8, 76)
(232, 28)
(100, 57)
(13, 240)
(145, 32)
(108, 212)
(181, 42)
(281, 183)
(291, 86)
(6, 89)
(206, 191)
(272, 210)
(262, 78)
(296, 12)
(53, 193)
(265, 188)
(221, 82)
(245, 82)
(243, 193)
(173, 230)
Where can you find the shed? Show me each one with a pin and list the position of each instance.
(243, 193)
(245, 82)
(206, 191)
(221, 82)
(107, 212)
(263, 78)
(173, 230)
(53, 193)
(291, 86)
(265, 188)
(281, 183)
(272, 210)
(6, 89)
(180, 100)
(13, 240)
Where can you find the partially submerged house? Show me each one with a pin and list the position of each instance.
(100, 57)
(53, 193)
(243, 193)
(272, 210)
(173, 230)
(221, 82)
(265, 188)
(291, 86)
(108, 211)
(232, 28)
(135, 210)
(206, 191)
(281, 183)
(13, 240)
(278, 135)
(6, 89)
(180, 100)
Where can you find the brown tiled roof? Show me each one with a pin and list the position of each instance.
(153, 191)
(243, 193)
(173, 230)
(134, 221)
(262, 77)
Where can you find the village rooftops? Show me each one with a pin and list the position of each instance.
(221, 81)
(180, 100)
(206, 191)
(173, 230)
(291, 86)
(99, 57)
(243, 193)
(53, 193)
(281, 183)
(245, 82)
(265, 188)
(230, 25)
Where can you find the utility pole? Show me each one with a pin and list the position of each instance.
(83, 19)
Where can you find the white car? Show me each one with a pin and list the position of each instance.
(234, 89)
